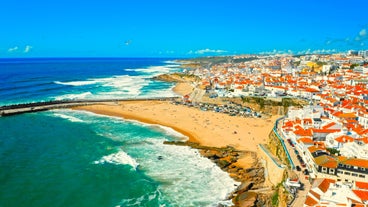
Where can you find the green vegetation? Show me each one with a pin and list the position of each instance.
(319, 63)
(275, 198)
(205, 61)
(262, 101)
(276, 195)
(353, 65)
(333, 151)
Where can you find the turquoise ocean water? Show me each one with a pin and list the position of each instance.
(74, 158)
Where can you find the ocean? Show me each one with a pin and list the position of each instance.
(74, 158)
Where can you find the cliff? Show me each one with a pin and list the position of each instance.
(177, 77)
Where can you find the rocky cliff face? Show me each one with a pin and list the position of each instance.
(276, 148)
(177, 77)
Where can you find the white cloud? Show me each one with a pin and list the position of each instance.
(363, 32)
(201, 52)
(13, 49)
(27, 48)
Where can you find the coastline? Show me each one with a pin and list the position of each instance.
(205, 128)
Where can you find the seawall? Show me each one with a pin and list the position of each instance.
(10, 110)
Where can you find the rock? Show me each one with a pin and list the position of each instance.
(246, 199)
(232, 169)
(250, 174)
(223, 164)
(245, 186)
(208, 153)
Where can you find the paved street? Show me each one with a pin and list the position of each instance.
(301, 195)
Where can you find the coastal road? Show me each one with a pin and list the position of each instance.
(301, 194)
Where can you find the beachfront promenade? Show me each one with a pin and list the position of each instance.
(49, 105)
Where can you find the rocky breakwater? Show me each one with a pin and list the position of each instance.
(250, 192)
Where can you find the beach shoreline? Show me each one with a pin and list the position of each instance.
(205, 128)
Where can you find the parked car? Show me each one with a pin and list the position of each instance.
(306, 172)
(298, 168)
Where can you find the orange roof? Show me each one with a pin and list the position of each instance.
(307, 120)
(306, 140)
(288, 124)
(303, 132)
(311, 90)
(337, 113)
(362, 194)
(329, 125)
(346, 115)
(356, 162)
(326, 161)
(361, 185)
(327, 131)
(315, 148)
(344, 138)
(364, 139)
(309, 201)
(325, 184)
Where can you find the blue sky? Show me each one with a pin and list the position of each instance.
(163, 28)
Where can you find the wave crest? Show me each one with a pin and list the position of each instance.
(119, 158)
(77, 83)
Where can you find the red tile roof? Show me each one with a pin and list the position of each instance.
(361, 185)
(329, 125)
(307, 121)
(306, 140)
(315, 148)
(309, 201)
(356, 162)
(326, 161)
(347, 115)
(325, 131)
(362, 194)
(303, 132)
(326, 184)
(344, 138)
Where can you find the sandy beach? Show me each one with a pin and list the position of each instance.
(205, 127)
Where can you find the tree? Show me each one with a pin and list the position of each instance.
(333, 151)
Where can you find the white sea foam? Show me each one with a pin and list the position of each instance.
(130, 85)
(77, 83)
(123, 86)
(155, 69)
(85, 95)
(141, 199)
(166, 130)
(68, 117)
(171, 132)
(187, 178)
(119, 158)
